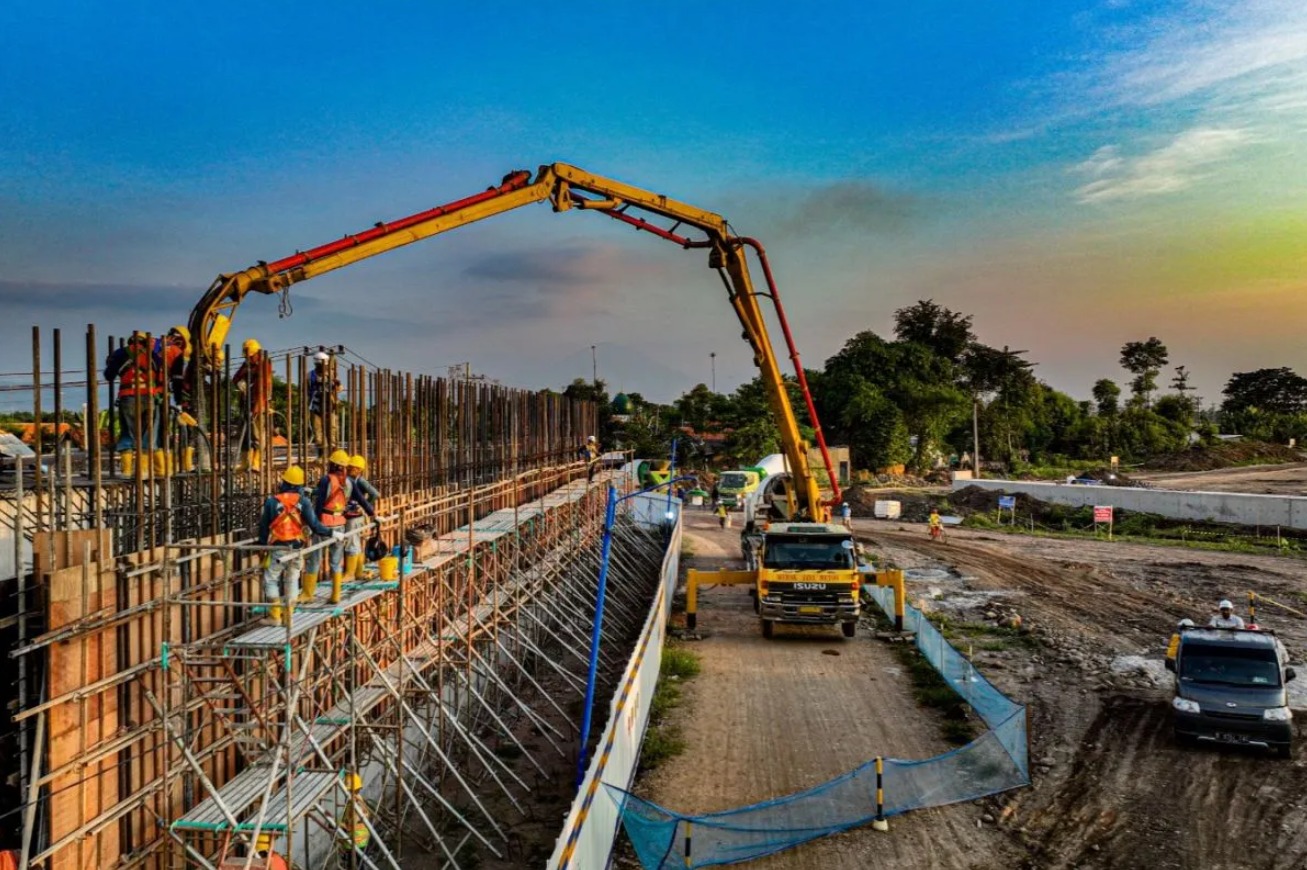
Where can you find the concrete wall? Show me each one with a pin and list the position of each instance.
(1221, 507)
(591, 826)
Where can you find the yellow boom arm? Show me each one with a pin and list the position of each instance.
(565, 187)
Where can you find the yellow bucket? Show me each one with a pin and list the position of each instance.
(389, 567)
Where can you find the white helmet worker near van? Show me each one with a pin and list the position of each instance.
(1226, 617)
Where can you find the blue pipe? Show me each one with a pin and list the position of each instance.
(610, 516)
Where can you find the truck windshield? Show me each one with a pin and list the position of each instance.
(1229, 666)
(734, 480)
(806, 553)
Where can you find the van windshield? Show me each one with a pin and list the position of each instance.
(734, 480)
(1230, 666)
(785, 553)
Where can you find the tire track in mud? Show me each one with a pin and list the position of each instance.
(1121, 793)
(1069, 595)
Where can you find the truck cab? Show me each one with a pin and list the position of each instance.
(1230, 688)
(734, 486)
(808, 575)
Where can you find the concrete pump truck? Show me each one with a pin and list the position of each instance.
(806, 569)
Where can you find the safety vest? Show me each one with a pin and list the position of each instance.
(133, 380)
(333, 506)
(287, 526)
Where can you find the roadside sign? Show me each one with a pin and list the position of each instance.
(1007, 501)
(1103, 514)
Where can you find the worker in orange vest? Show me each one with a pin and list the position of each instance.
(264, 858)
(138, 367)
(254, 380)
(286, 518)
(331, 498)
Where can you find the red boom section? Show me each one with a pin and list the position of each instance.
(513, 181)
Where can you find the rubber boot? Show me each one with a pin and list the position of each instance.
(188, 459)
(255, 460)
(353, 566)
(310, 588)
(129, 463)
(337, 580)
(275, 614)
(159, 459)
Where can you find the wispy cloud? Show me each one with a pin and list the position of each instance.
(1257, 48)
(1170, 168)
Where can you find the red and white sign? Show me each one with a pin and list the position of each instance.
(1102, 514)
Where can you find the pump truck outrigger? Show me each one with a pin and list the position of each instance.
(565, 188)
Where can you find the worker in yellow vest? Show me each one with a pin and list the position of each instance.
(362, 501)
(353, 833)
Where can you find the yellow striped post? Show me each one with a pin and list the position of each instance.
(880, 823)
(689, 831)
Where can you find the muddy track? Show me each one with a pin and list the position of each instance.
(1074, 595)
(1111, 789)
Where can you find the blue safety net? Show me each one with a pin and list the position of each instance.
(994, 762)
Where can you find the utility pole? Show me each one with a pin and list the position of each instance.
(713, 356)
(594, 367)
(975, 436)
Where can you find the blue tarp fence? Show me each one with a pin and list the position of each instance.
(994, 762)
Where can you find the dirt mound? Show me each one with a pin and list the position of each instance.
(914, 505)
(1225, 455)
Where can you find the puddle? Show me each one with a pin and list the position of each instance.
(930, 575)
(1154, 669)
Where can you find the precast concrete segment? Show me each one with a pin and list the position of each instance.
(1245, 509)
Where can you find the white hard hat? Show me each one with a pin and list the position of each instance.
(590, 438)
(845, 504)
(1225, 605)
(1186, 623)
(320, 357)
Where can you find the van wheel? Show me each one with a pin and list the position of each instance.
(1185, 740)
(1284, 750)
(850, 629)
(768, 628)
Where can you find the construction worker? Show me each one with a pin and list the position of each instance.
(589, 454)
(323, 389)
(353, 833)
(936, 524)
(846, 515)
(1225, 617)
(1174, 646)
(176, 356)
(285, 518)
(721, 514)
(362, 500)
(254, 380)
(264, 858)
(138, 368)
(331, 497)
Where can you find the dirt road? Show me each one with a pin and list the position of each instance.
(1290, 479)
(767, 718)
(1111, 790)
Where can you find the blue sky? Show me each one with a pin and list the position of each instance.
(1076, 174)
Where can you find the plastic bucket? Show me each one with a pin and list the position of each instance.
(389, 568)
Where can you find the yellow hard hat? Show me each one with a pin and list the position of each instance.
(358, 462)
(338, 457)
(251, 347)
(353, 781)
(294, 476)
(185, 335)
(263, 843)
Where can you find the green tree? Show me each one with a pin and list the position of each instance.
(877, 435)
(1274, 391)
(927, 323)
(1144, 360)
(1107, 395)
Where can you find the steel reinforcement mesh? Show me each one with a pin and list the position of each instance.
(994, 762)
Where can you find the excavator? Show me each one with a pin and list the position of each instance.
(806, 571)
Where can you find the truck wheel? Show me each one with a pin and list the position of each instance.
(768, 628)
(850, 629)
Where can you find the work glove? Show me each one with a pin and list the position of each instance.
(338, 536)
(267, 561)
